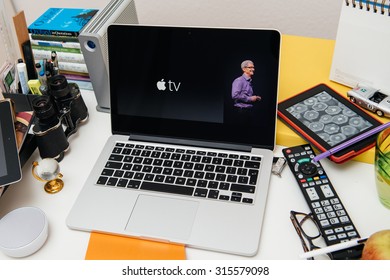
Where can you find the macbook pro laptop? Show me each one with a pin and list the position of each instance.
(187, 163)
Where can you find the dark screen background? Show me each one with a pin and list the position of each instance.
(205, 62)
(3, 167)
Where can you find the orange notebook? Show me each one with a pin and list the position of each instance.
(110, 247)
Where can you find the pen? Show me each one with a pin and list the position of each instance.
(333, 248)
(351, 142)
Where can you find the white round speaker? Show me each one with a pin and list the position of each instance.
(23, 231)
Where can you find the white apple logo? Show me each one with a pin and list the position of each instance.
(161, 85)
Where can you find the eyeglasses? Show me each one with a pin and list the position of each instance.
(308, 231)
(250, 67)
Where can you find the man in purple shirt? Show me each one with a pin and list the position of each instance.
(242, 90)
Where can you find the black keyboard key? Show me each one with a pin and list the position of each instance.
(167, 171)
(107, 172)
(156, 154)
(242, 171)
(189, 173)
(137, 167)
(159, 178)
(136, 152)
(196, 158)
(157, 170)
(231, 170)
(166, 188)
(235, 198)
(117, 150)
(186, 157)
(232, 178)
(200, 192)
(220, 169)
(169, 179)
(148, 161)
(128, 159)
(247, 200)
(209, 176)
(147, 168)
(122, 183)
(224, 186)
(139, 176)
(256, 158)
(221, 177)
(199, 175)
(102, 180)
(212, 185)
(115, 157)
(149, 177)
(191, 182)
(252, 164)
(242, 188)
(180, 180)
(168, 163)
(206, 159)
(209, 168)
(127, 166)
(118, 173)
(178, 172)
(202, 183)
(128, 174)
(227, 162)
(146, 153)
(243, 180)
(114, 165)
(175, 156)
(224, 197)
(134, 184)
(112, 181)
(126, 151)
(213, 194)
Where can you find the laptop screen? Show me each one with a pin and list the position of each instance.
(195, 83)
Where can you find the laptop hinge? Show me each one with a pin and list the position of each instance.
(186, 142)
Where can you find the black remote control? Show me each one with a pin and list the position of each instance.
(328, 211)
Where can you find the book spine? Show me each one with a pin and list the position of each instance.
(72, 67)
(56, 49)
(62, 56)
(53, 38)
(74, 45)
(53, 32)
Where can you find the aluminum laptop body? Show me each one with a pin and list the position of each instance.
(171, 91)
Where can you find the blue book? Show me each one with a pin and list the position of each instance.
(62, 22)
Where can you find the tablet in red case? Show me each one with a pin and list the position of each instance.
(326, 119)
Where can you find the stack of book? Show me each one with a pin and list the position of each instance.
(54, 38)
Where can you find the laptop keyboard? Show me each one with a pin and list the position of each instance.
(199, 173)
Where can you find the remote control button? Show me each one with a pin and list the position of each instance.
(308, 168)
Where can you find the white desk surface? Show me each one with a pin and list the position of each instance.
(354, 182)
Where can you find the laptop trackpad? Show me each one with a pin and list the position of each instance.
(163, 217)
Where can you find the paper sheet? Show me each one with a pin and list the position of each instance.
(109, 247)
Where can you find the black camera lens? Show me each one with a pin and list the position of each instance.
(58, 86)
(43, 107)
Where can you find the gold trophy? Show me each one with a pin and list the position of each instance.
(48, 170)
